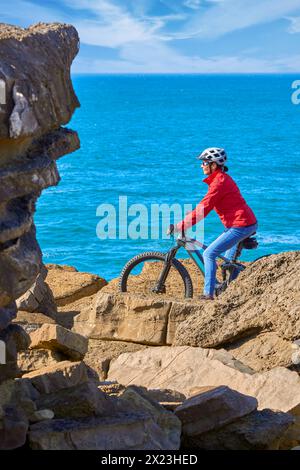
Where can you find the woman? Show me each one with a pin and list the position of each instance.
(225, 198)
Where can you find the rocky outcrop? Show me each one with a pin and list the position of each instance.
(125, 318)
(57, 338)
(68, 285)
(16, 406)
(265, 297)
(32, 321)
(101, 353)
(213, 407)
(186, 369)
(260, 430)
(38, 99)
(218, 418)
(256, 318)
(39, 298)
(59, 376)
(122, 431)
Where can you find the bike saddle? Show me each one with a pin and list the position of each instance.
(249, 243)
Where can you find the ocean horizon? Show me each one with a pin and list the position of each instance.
(140, 134)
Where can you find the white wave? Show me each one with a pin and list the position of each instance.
(281, 239)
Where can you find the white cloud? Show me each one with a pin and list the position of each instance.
(157, 57)
(144, 45)
(113, 25)
(294, 26)
(193, 4)
(29, 13)
(232, 15)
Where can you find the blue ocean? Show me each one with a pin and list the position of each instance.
(140, 135)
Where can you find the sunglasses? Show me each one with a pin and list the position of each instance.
(205, 163)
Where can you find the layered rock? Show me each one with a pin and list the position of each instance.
(256, 318)
(38, 99)
(186, 369)
(57, 338)
(265, 297)
(260, 430)
(218, 418)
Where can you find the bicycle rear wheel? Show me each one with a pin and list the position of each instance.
(141, 274)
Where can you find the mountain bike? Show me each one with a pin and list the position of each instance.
(161, 273)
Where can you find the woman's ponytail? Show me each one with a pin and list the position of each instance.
(223, 168)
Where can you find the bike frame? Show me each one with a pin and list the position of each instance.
(190, 245)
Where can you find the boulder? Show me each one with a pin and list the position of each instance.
(123, 431)
(34, 359)
(69, 285)
(135, 399)
(16, 405)
(292, 436)
(259, 430)
(13, 429)
(77, 402)
(32, 321)
(65, 374)
(212, 408)
(100, 353)
(38, 298)
(125, 317)
(67, 313)
(186, 369)
(57, 338)
(19, 394)
(15, 339)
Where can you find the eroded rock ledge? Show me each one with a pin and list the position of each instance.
(37, 98)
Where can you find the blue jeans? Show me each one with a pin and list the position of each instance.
(227, 242)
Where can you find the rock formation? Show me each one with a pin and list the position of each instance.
(37, 99)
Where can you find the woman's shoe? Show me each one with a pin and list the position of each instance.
(206, 297)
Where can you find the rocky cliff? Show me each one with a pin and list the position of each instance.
(36, 100)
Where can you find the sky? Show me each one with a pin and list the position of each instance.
(173, 36)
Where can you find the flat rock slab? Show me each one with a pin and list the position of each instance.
(65, 374)
(77, 402)
(123, 431)
(186, 369)
(69, 285)
(212, 408)
(58, 338)
(260, 430)
(32, 321)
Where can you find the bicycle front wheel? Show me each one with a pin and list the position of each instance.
(141, 273)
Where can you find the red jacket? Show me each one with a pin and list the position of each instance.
(225, 198)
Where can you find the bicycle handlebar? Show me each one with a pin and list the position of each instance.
(172, 230)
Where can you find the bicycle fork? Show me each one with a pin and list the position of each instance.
(160, 287)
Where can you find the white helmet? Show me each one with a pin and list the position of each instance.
(213, 155)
